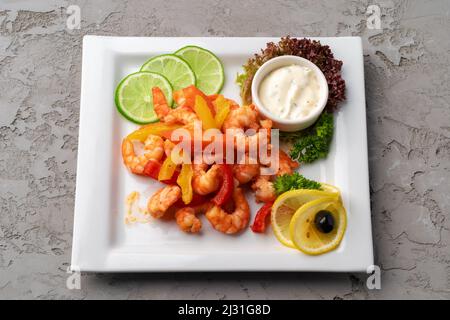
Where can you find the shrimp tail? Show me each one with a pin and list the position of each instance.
(187, 221)
(160, 103)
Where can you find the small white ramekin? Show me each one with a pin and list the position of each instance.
(291, 124)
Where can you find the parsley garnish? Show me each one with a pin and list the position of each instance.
(313, 143)
(294, 181)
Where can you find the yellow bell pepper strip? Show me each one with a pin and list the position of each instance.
(157, 128)
(167, 169)
(204, 113)
(222, 106)
(214, 103)
(212, 97)
(186, 97)
(185, 182)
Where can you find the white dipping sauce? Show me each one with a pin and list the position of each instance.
(290, 92)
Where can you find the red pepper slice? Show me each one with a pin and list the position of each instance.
(212, 97)
(197, 200)
(226, 190)
(259, 225)
(152, 168)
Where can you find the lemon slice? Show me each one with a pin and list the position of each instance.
(305, 233)
(287, 204)
(330, 188)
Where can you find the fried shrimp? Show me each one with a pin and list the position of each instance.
(230, 222)
(168, 147)
(264, 189)
(162, 200)
(183, 115)
(245, 172)
(205, 180)
(160, 103)
(153, 149)
(286, 164)
(245, 117)
(187, 220)
(214, 189)
(266, 124)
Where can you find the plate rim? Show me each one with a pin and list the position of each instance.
(97, 50)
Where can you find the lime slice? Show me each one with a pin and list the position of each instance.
(175, 69)
(207, 68)
(134, 98)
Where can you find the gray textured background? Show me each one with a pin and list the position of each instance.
(408, 97)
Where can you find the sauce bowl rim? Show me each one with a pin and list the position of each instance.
(282, 61)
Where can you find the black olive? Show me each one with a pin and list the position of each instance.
(324, 221)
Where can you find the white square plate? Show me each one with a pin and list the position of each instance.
(101, 240)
